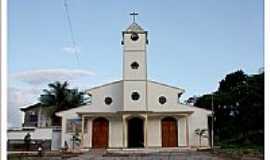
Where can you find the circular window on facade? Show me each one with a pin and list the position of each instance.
(135, 96)
(134, 65)
(108, 100)
(162, 100)
(134, 36)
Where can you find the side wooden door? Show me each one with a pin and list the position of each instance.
(100, 133)
(169, 132)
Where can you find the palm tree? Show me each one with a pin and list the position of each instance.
(58, 98)
(201, 133)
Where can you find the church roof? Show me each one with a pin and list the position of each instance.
(134, 27)
(150, 81)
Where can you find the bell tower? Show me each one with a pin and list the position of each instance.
(134, 52)
(134, 41)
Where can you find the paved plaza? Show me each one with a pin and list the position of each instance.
(185, 155)
(135, 155)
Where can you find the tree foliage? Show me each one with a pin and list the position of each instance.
(59, 97)
(238, 108)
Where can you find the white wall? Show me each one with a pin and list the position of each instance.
(38, 133)
(132, 105)
(155, 90)
(182, 131)
(113, 90)
(70, 114)
(199, 119)
(56, 140)
(115, 133)
(87, 139)
(154, 137)
(139, 44)
(134, 74)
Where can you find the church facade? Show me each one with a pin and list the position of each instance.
(135, 112)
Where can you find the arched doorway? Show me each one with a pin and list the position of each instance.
(169, 132)
(100, 133)
(135, 133)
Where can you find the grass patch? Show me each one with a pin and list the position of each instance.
(239, 151)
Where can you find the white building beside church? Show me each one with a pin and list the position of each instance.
(135, 112)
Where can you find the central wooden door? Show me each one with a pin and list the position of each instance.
(169, 132)
(100, 133)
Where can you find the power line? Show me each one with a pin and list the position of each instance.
(74, 44)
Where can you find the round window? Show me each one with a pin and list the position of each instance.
(134, 65)
(134, 36)
(162, 100)
(108, 100)
(135, 96)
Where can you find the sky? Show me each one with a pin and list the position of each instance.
(193, 44)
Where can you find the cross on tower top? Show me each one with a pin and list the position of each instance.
(134, 14)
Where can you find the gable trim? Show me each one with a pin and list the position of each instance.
(103, 85)
(166, 85)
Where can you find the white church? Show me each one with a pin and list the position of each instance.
(135, 112)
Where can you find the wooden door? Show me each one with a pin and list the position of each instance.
(169, 132)
(100, 132)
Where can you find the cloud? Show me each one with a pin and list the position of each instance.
(39, 77)
(71, 50)
(20, 95)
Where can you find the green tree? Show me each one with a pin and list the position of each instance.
(238, 108)
(231, 80)
(58, 98)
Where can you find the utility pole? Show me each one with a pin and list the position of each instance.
(212, 128)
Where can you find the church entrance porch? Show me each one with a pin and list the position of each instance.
(135, 133)
(100, 133)
(135, 130)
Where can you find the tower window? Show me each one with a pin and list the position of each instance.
(162, 100)
(108, 100)
(135, 96)
(134, 65)
(134, 36)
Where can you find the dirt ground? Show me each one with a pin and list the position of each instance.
(185, 155)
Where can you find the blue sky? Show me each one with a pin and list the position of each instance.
(193, 44)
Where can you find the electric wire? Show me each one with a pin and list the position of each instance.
(74, 44)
